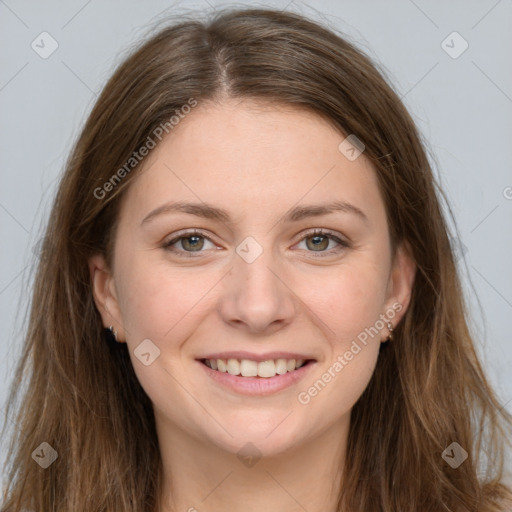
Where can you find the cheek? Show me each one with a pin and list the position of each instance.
(158, 300)
(348, 300)
(349, 308)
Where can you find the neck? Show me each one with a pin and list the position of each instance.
(199, 475)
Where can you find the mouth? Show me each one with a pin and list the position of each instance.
(255, 378)
(250, 368)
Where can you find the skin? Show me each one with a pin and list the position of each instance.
(256, 161)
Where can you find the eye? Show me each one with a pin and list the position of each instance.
(191, 242)
(318, 241)
(194, 241)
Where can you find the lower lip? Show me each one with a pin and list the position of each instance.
(259, 386)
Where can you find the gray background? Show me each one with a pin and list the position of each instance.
(462, 105)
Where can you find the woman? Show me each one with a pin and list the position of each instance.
(247, 297)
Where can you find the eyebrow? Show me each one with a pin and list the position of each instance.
(295, 214)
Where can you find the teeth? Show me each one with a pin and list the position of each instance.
(248, 368)
(267, 369)
(281, 367)
(233, 367)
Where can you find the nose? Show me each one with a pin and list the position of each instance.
(255, 297)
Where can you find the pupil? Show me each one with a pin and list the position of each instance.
(193, 244)
(318, 242)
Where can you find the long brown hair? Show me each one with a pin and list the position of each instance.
(428, 389)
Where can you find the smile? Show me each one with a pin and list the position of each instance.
(249, 368)
(257, 378)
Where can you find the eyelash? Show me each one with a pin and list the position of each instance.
(310, 234)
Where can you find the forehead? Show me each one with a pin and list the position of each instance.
(253, 157)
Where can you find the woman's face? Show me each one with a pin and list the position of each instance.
(254, 286)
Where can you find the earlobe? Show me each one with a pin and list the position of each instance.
(104, 293)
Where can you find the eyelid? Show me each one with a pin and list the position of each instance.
(326, 232)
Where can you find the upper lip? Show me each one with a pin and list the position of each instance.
(240, 354)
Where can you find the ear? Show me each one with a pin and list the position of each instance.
(401, 281)
(105, 296)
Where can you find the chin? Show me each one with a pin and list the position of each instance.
(258, 439)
